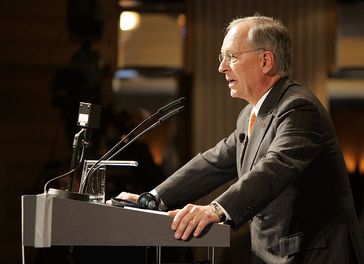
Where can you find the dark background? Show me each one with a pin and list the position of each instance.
(46, 69)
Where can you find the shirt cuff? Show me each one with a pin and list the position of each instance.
(161, 205)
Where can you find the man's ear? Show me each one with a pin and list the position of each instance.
(267, 61)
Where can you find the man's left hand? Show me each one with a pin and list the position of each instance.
(192, 219)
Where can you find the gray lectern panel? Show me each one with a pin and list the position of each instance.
(50, 221)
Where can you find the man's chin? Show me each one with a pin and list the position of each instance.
(233, 93)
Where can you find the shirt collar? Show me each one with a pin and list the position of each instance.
(257, 106)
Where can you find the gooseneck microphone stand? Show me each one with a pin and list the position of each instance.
(80, 143)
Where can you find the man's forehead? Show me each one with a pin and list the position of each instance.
(236, 36)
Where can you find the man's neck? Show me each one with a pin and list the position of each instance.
(267, 85)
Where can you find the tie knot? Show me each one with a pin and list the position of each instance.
(252, 119)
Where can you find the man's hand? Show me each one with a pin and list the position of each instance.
(126, 196)
(192, 219)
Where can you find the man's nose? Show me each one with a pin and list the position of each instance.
(223, 67)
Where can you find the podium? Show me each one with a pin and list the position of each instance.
(50, 221)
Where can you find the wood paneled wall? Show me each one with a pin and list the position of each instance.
(312, 26)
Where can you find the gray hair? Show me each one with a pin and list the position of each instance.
(272, 35)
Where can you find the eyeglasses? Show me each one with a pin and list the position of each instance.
(232, 57)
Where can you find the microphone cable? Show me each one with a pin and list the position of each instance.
(67, 173)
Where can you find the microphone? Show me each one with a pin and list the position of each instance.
(242, 137)
(88, 119)
(160, 111)
(155, 124)
(161, 120)
(171, 105)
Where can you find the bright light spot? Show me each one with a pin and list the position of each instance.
(129, 20)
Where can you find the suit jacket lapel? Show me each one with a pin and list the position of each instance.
(243, 140)
(262, 124)
(260, 128)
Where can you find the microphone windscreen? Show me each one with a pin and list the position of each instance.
(242, 137)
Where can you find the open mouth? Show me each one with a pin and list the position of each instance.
(231, 81)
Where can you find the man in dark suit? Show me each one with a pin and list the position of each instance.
(292, 184)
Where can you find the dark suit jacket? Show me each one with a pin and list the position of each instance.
(292, 183)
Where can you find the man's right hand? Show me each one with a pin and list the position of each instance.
(126, 196)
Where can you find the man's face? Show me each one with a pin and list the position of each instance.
(242, 72)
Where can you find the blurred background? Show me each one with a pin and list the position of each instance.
(131, 57)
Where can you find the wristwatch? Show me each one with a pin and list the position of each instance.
(217, 210)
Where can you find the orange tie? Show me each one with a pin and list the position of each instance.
(251, 123)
